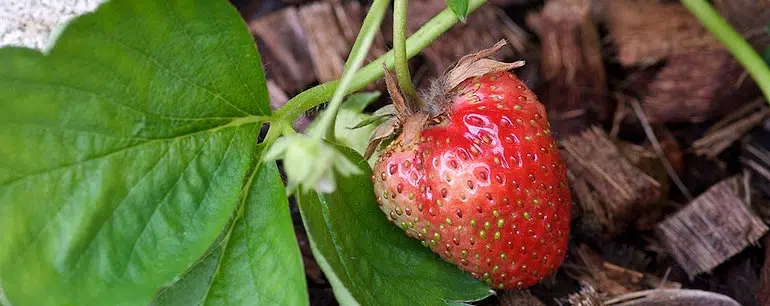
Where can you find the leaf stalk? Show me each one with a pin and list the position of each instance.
(738, 47)
(399, 49)
(314, 96)
(358, 53)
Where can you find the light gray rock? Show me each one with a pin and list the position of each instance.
(29, 23)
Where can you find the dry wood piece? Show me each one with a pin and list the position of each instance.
(588, 269)
(595, 221)
(647, 31)
(574, 85)
(672, 297)
(281, 42)
(712, 228)
(609, 279)
(510, 2)
(632, 277)
(609, 189)
(646, 160)
(317, 35)
(731, 128)
(698, 86)
(328, 46)
(485, 27)
(350, 15)
(519, 298)
(331, 28)
(755, 157)
(587, 296)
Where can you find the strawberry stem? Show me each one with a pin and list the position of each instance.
(318, 94)
(358, 54)
(738, 47)
(402, 63)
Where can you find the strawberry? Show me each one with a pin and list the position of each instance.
(476, 175)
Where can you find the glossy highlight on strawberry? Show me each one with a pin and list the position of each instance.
(483, 185)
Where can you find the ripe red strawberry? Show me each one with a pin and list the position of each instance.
(482, 183)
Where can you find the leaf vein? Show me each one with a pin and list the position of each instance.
(191, 39)
(215, 94)
(219, 165)
(161, 201)
(106, 98)
(333, 237)
(78, 259)
(117, 151)
(226, 240)
(78, 131)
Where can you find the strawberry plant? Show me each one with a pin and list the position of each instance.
(132, 171)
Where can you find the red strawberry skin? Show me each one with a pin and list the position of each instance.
(486, 189)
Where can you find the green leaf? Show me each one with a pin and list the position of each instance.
(257, 262)
(459, 7)
(367, 259)
(193, 286)
(124, 150)
(372, 120)
(358, 102)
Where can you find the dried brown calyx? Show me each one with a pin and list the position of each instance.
(409, 118)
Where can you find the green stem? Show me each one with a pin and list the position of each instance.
(288, 130)
(312, 97)
(399, 47)
(358, 53)
(734, 42)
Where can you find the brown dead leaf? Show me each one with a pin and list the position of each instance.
(477, 64)
(384, 130)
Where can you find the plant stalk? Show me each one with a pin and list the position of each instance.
(738, 47)
(399, 49)
(358, 53)
(312, 97)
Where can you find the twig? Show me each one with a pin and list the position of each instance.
(659, 149)
(740, 112)
(665, 277)
(714, 142)
(620, 114)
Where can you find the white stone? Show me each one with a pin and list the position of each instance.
(29, 23)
